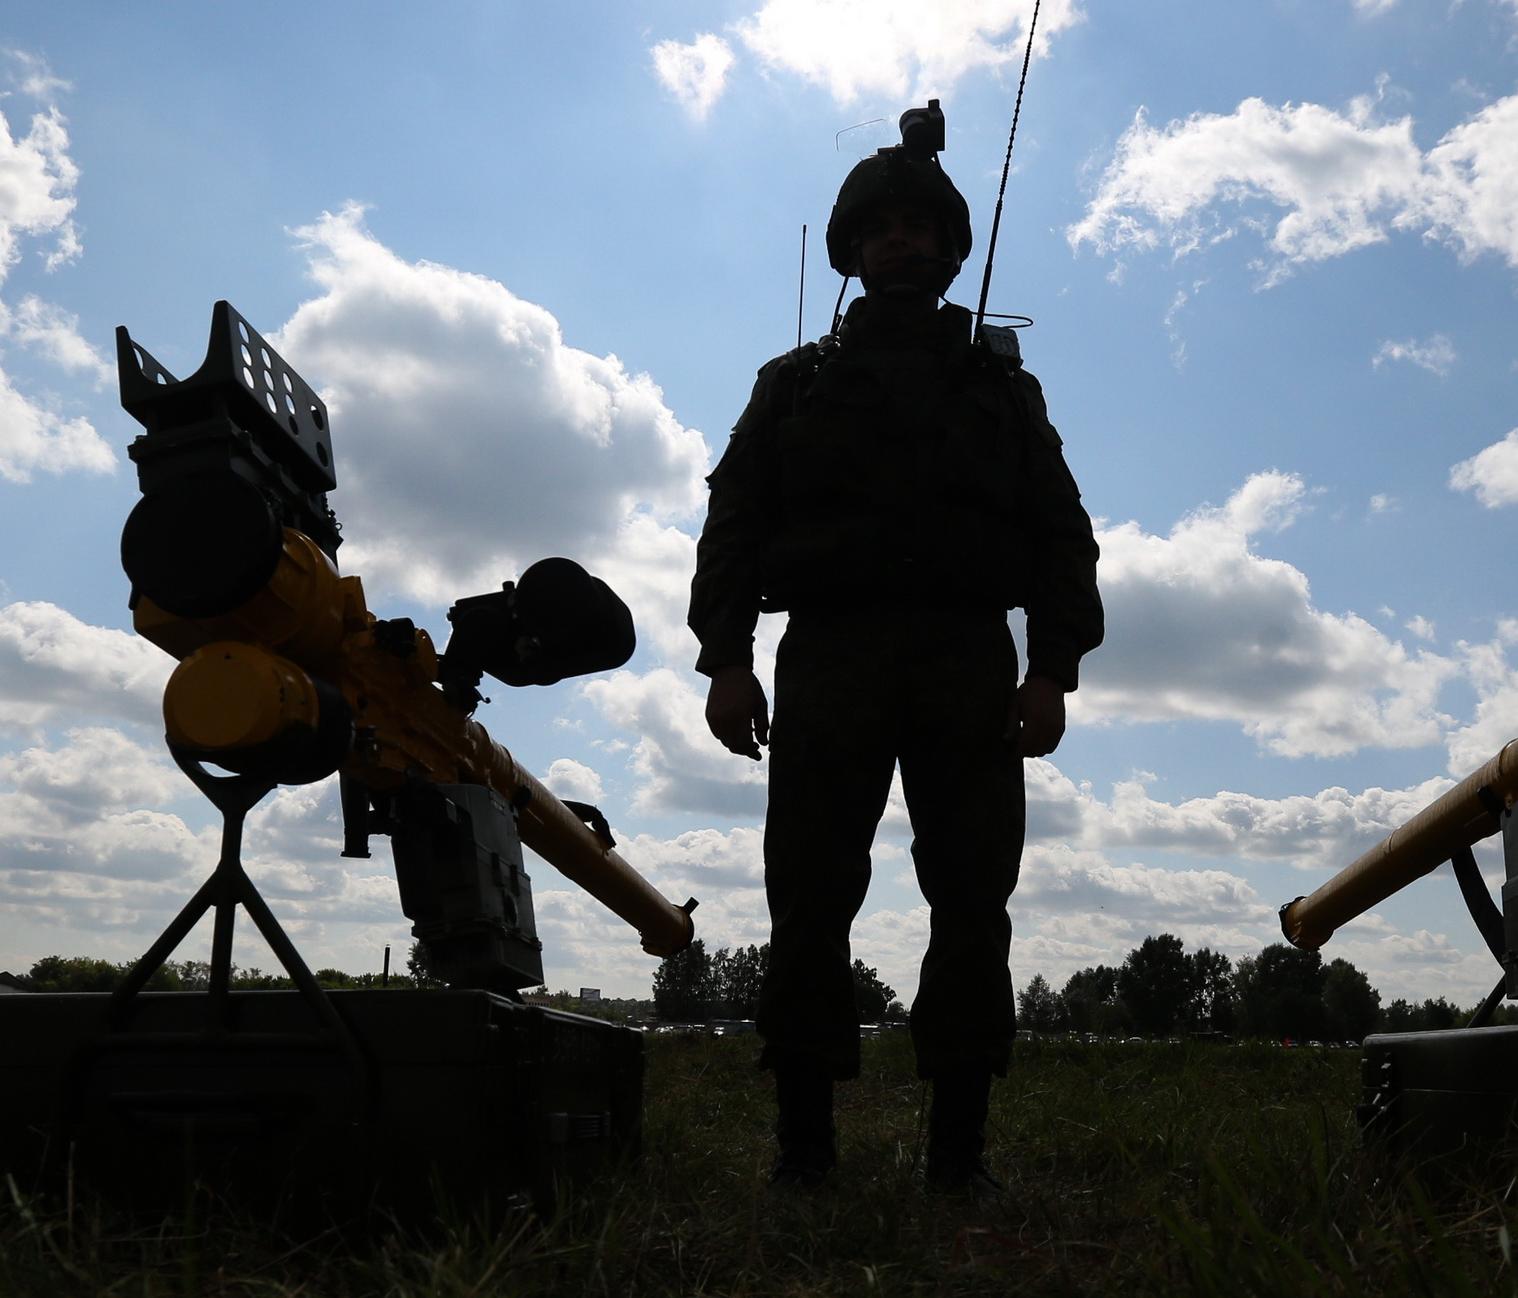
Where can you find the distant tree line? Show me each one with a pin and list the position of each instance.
(1160, 989)
(696, 985)
(82, 973)
(1283, 993)
(56, 973)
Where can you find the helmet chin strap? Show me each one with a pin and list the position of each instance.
(900, 289)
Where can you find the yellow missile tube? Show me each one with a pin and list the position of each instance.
(245, 675)
(227, 697)
(1455, 820)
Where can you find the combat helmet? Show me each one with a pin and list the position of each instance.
(909, 171)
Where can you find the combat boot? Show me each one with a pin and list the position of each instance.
(804, 1129)
(957, 1132)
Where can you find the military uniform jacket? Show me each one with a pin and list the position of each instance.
(904, 467)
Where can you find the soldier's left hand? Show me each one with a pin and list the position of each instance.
(1037, 723)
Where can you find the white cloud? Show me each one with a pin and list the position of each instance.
(77, 810)
(892, 942)
(895, 49)
(34, 438)
(678, 765)
(55, 333)
(472, 440)
(1381, 503)
(567, 778)
(1172, 322)
(97, 768)
(1373, 8)
(1492, 473)
(695, 73)
(53, 666)
(1060, 878)
(1342, 179)
(1203, 627)
(1435, 354)
(1323, 830)
(650, 565)
(1495, 678)
(702, 862)
(37, 184)
(1421, 627)
(92, 861)
(36, 78)
(1471, 195)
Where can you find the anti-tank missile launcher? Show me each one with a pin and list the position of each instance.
(285, 673)
(333, 1100)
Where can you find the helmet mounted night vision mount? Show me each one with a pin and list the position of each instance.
(922, 132)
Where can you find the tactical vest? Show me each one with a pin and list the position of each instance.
(889, 489)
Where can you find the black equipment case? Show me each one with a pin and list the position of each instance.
(458, 1096)
(1435, 1093)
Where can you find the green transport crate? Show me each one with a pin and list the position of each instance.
(458, 1096)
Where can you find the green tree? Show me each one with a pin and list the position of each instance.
(683, 990)
(872, 997)
(1436, 1014)
(74, 973)
(1280, 993)
(1210, 1007)
(419, 968)
(1039, 1008)
(739, 976)
(194, 975)
(1155, 983)
(256, 979)
(1090, 1000)
(1399, 1016)
(1351, 1006)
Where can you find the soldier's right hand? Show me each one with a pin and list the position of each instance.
(737, 711)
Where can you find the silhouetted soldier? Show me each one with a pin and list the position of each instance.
(896, 491)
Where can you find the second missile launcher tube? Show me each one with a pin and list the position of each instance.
(305, 659)
(1460, 817)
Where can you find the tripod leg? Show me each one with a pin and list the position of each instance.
(315, 995)
(164, 947)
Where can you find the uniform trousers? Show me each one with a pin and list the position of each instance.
(858, 691)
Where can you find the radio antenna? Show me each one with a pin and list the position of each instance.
(1006, 166)
(801, 294)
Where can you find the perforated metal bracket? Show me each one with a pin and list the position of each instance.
(244, 378)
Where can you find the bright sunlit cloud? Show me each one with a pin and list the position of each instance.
(1204, 626)
(694, 73)
(1492, 473)
(1340, 179)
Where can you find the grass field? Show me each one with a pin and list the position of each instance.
(1129, 1170)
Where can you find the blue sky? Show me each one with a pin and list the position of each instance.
(532, 255)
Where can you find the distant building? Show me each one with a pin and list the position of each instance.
(590, 995)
